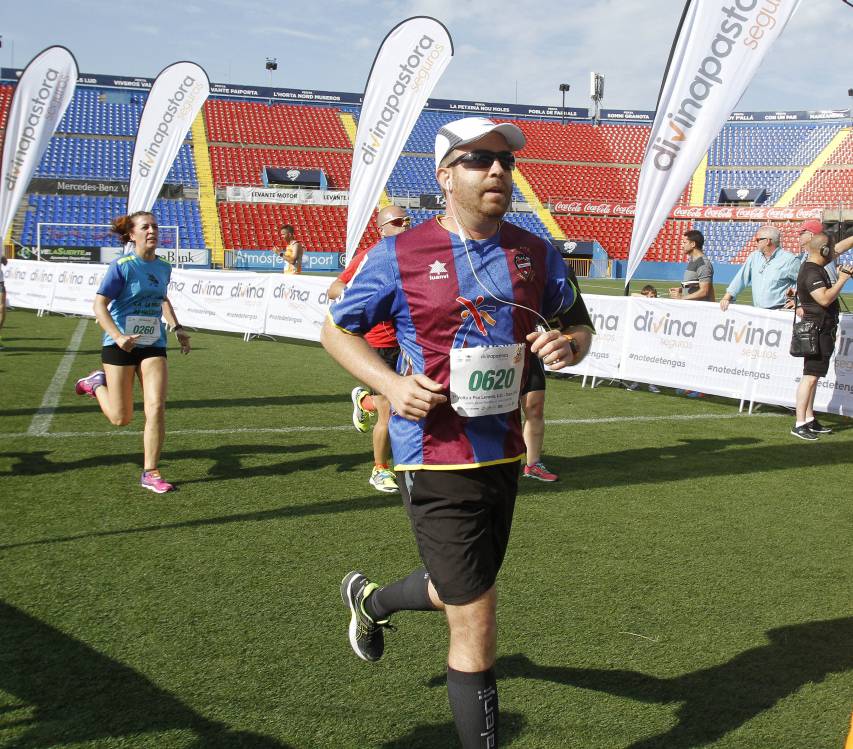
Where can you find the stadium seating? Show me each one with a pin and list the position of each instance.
(578, 141)
(790, 144)
(248, 226)
(5, 100)
(614, 234)
(107, 159)
(777, 181)
(243, 166)
(90, 113)
(77, 209)
(277, 124)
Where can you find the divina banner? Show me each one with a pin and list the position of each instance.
(407, 66)
(40, 99)
(173, 103)
(718, 47)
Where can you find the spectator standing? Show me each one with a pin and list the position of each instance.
(698, 283)
(289, 250)
(769, 270)
(818, 296)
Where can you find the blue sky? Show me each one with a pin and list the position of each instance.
(505, 51)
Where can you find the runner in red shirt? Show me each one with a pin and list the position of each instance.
(390, 221)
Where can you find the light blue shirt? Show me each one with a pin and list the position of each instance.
(769, 279)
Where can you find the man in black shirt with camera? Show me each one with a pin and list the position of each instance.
(818, 296)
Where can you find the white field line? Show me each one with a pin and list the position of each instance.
(298, 430)
(40, 424)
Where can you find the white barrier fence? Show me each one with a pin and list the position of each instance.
(741, 353)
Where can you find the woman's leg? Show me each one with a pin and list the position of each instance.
(153, 375)
(116, 397)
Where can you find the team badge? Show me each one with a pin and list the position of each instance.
(524, 265)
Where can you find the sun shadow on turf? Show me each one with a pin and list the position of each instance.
(689, 457)
(226, 459)
(716, 700)
(74, 694)
(444, 734)
(351, 504)
(216, 403)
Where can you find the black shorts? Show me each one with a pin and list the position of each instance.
(461, 521)
(121, 358)
(389, 355)
(818, 365)
(535, 375)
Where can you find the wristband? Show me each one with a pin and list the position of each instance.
(573, 344)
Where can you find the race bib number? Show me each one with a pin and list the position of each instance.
(147, 328)
(485, 380)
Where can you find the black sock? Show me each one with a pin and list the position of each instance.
(409, 594)
(474, 703)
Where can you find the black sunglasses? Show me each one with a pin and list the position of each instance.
(483, 159)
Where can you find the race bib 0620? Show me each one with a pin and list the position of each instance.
(486, 380)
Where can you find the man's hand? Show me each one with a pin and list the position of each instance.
(413, 397)
(127, 342)
(552, 347)
(725, 301)
(675, 292)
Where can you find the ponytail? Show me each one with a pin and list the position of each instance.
(122, 225)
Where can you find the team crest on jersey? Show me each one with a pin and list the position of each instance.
(524, 265)
(438, 271)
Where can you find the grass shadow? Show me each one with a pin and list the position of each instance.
(717, 700)
(74, 694)
(444, 734)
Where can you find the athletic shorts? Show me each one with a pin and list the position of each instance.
(121, 358)
(535, 375)
(818, 365)
(461, 521)
(389, 355)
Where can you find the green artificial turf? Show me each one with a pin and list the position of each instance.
(685, 584)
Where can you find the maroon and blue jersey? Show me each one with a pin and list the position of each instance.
(422, 280)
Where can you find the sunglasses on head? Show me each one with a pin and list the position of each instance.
(399, 222)
(761, 239)
(483, 159)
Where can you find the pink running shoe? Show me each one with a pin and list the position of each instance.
(153, 481)
(88, 385)
(539, 472)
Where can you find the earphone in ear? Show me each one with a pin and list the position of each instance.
(826, 252)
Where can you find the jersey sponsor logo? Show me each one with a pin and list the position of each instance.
(438, 271)
(476, 313)
(152, 279)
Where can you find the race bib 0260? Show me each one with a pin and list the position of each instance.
(486, 380)
(147, 328)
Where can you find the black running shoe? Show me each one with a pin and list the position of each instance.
(815, 426)
(365, 635)
(804, 433)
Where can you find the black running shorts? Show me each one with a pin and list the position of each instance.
(461, 521)
(121, 358)
(535, 375)
(389, 355)
(818, 365)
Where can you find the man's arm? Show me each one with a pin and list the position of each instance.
(336, 289)
(824, 297)
(742, 279)
(701, 293)
(412, 397)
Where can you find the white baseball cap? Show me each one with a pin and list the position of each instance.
(470, 129)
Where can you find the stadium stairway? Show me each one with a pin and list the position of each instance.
(810, 171)
(697, 185)
(348, 121)
(207, 193)
(554, 229)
